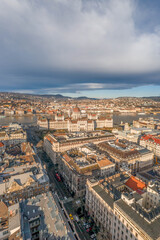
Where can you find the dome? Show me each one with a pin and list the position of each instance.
(76, 110)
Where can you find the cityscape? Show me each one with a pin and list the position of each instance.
(71, 172)
(79, 120)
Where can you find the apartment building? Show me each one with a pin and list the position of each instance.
(56, 143)
(128, 154)
(120, 211)
(12, 134)
(22, 175)
(40, 219)
(79, 164)
(133, 134)
(10, 222)
(147, 122)
(149, 175)
(2, 148)
(43, 123)
(152, 143)
(22, 186)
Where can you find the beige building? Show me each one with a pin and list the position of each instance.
(12, 134)
(10, 222)
(102, 122)
(2, 148)
(75, 122)
(57, 143)
(77, 165)
(131, 155)
(152, 143)
(122, 213)
(147, 122)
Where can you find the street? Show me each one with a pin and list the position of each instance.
(59, 191)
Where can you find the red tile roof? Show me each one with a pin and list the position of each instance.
(76, 109)
(1, 144)
(151, 138)
(135, 184)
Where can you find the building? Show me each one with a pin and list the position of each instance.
(43, 123)
(103, 122)
(2, 148)
(79, 164)
(150, 174)
(124, 213)
(147, 122)
(12, 134)
(40, 219)
(133, 134)
(76, 122)
(21, 174)
(57, 143)
(10, 222)
(152, 143)
(22, 186)
(4, 221)
(131, 155)
(76, 113)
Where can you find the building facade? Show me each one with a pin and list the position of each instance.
(121, 213)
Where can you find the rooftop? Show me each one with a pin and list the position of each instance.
(135, 184)
(44, 207)
(138, 216)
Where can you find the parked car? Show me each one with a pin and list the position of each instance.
(89, 229)
(87, 226)
(93, 235)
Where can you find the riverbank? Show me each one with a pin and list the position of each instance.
(32, 119)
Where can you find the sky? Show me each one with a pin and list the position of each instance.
(94, 48)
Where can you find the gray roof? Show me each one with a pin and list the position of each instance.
(151, 229)
(104, 195)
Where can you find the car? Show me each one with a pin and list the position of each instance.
(89, 229)
(87, 226)
(58, 177)
(93, 235)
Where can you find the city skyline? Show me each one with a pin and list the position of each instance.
(80, 48)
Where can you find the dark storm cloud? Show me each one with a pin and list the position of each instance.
(73, 45)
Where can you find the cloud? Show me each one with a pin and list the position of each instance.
(72, 45)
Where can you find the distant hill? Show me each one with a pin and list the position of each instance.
(155, 98)
(83, 98)
(56, 96)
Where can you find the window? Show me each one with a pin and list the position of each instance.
(5, 232)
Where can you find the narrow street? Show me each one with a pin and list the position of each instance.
(59, 191)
